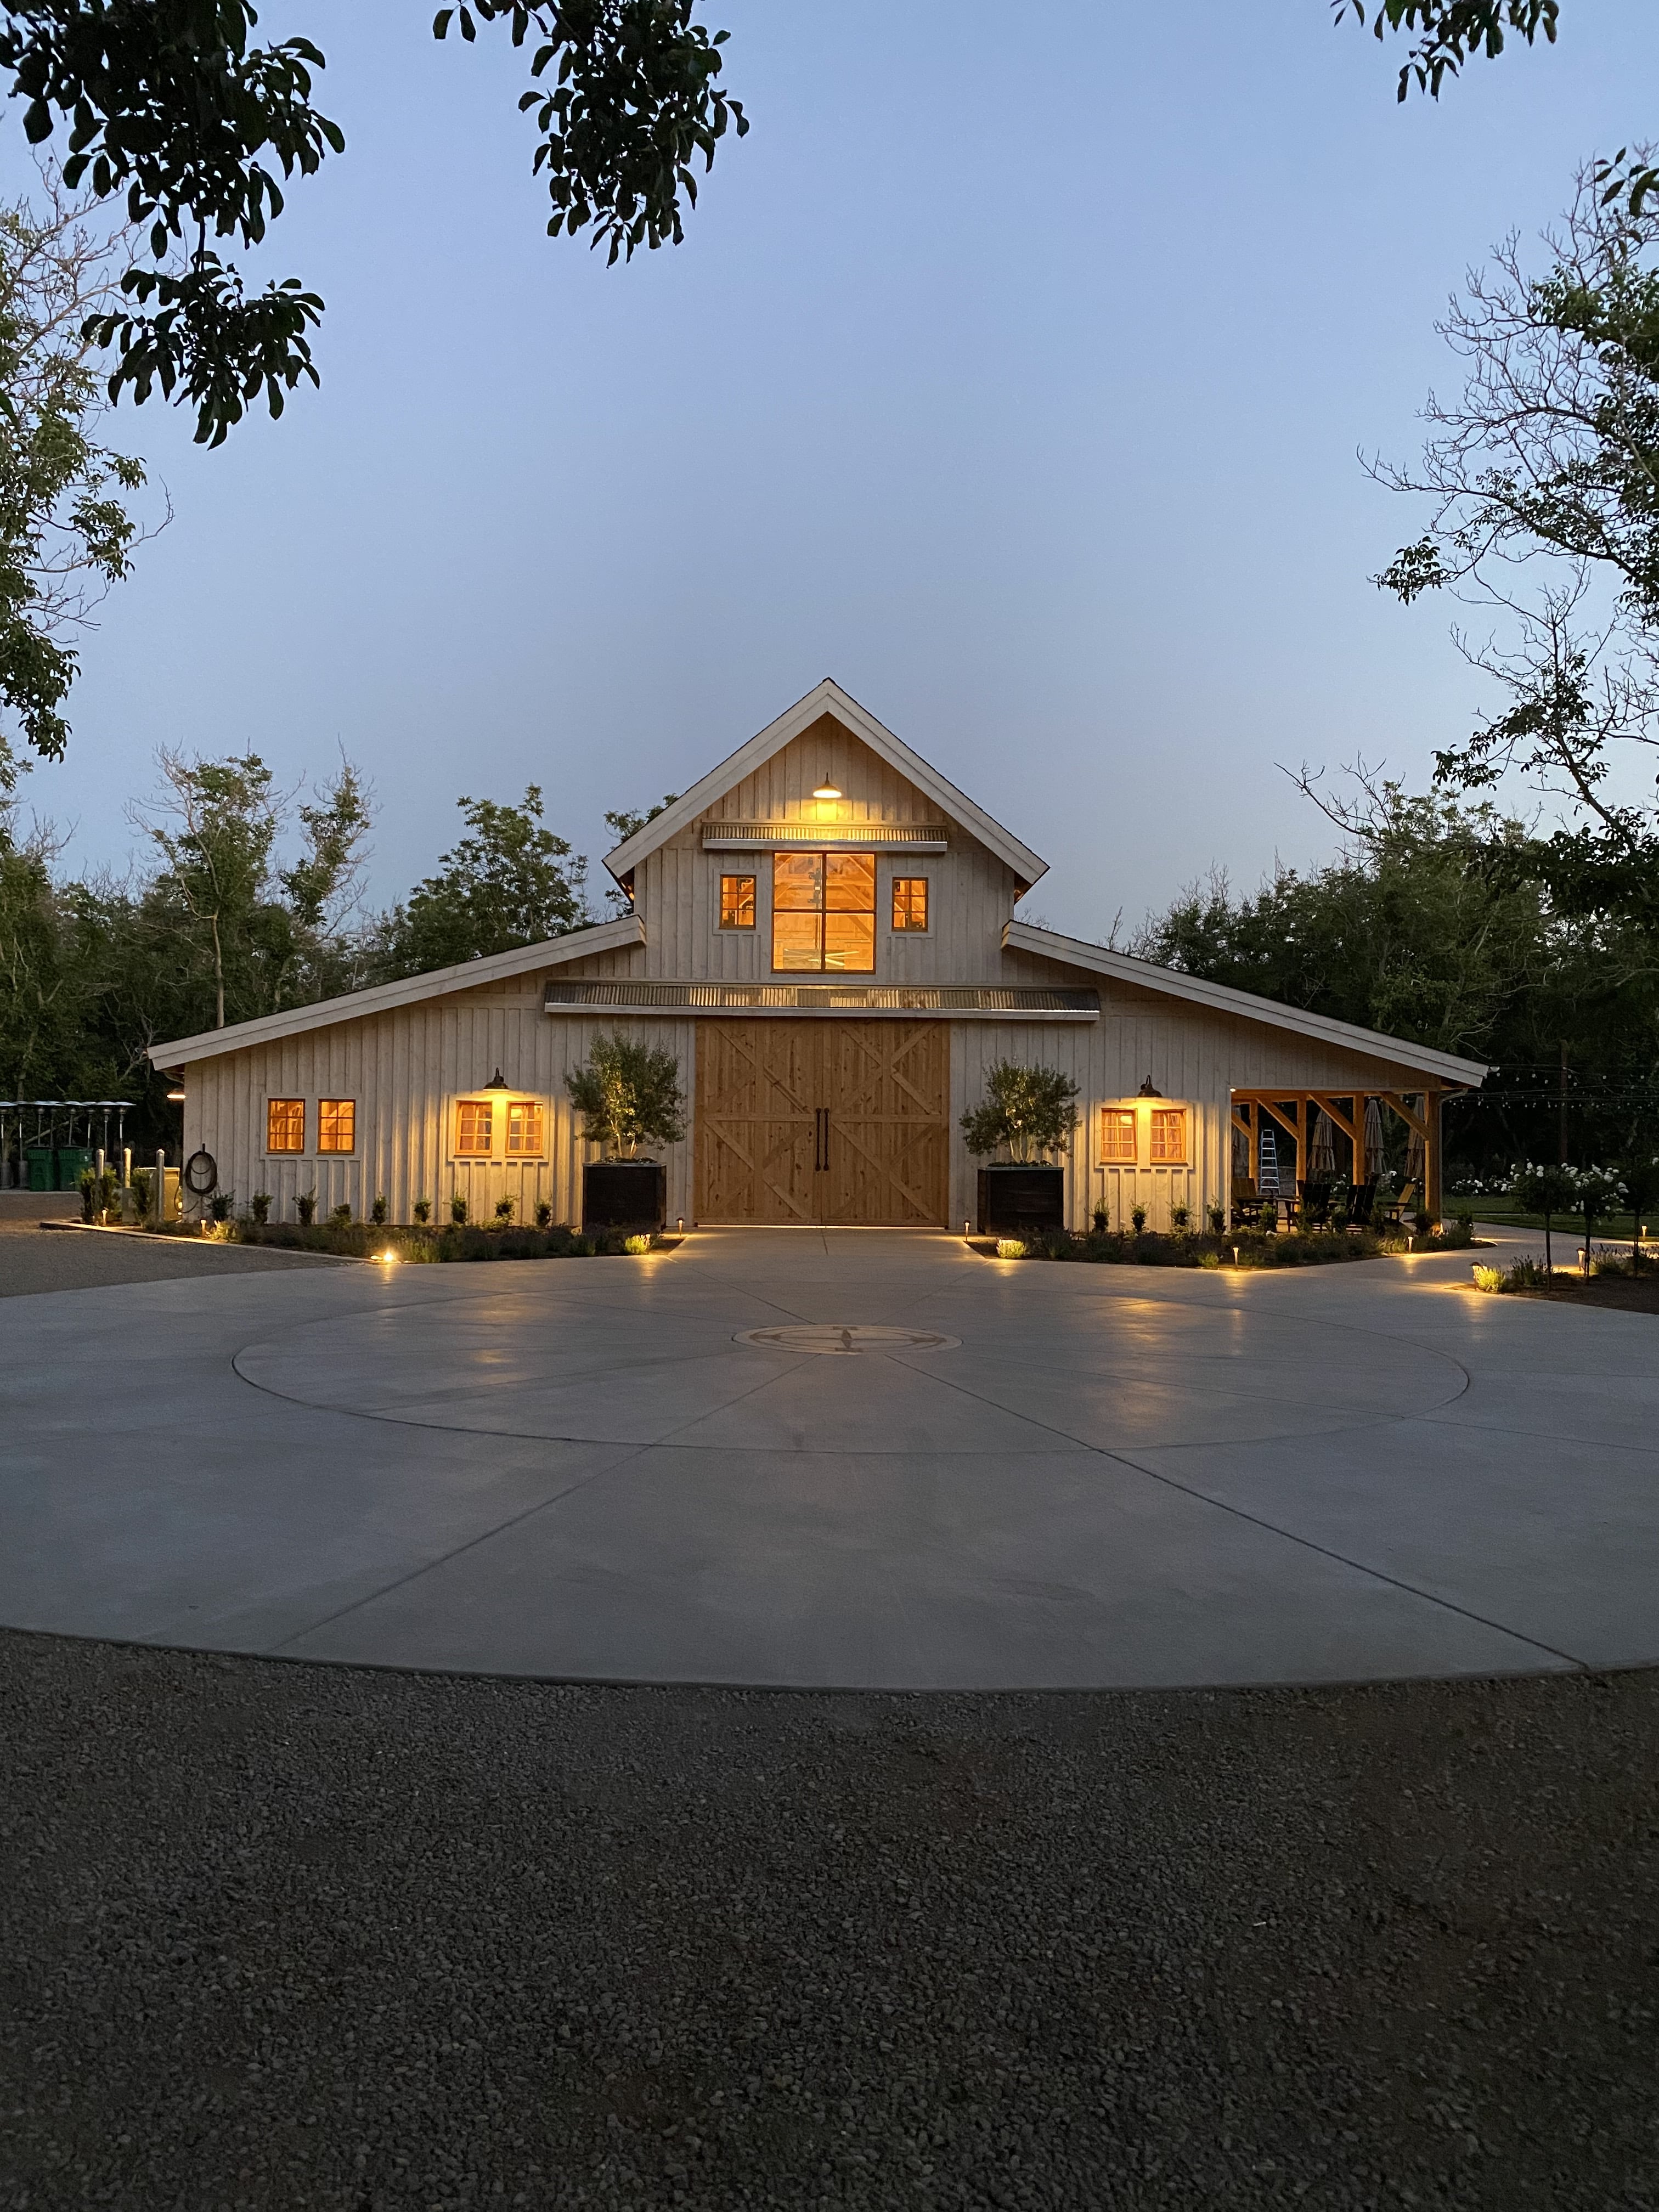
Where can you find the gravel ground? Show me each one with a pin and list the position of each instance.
(288, 1937)
(34, 1258)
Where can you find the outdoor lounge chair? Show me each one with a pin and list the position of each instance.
(1362, 1203)
(1394, 1212)
(1314, 1204)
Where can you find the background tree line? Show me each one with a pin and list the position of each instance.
(244, 898)
(1531, 942)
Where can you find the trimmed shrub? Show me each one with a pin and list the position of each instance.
(379, 1209)
(505, 1209)
(458, 1209)
(307, 1203)
(544, 1214)
(258, 1207)
(423, 1211)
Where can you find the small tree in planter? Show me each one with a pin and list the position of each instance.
(1028, 1113)
(629, 1096)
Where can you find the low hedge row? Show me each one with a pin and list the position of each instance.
(1242, 1248)
(365, 1240)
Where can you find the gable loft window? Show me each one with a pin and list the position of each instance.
(336, 1125)
(285, 1125)
(1170, 1136)
(524, 1129)
(824, 913)
(737, 902)
(909, 902)
(474, 1129)
(1118, 1134)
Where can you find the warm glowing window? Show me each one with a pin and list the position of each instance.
(1170, 1132)
(909, 902)
(824, 912)
(737, 902)
(336, 1125)
(1118, 1139)
(524, 1129)
(473, 1126)
(285, 1125)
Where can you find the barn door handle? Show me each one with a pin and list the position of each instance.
(821, 1139)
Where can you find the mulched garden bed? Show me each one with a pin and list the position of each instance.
(1238, 1249)
(368, 1240)
(1626, 1294)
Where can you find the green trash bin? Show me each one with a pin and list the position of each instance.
(73, 1161)
(38, 1165)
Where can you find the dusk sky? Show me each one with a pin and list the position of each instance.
(1013, 372)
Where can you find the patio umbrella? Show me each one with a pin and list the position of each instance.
(1321, 1149)
(1373, 1140)
(1414, 1161)
(1268, 1184)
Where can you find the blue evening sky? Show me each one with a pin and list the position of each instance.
(1013, 373)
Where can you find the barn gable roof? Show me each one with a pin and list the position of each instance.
(827, 698)
(382, 998)
(1221, 998)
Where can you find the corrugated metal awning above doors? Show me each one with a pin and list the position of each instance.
(959, 1002)
(825, 837)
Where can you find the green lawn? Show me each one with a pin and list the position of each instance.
(1616, 1228)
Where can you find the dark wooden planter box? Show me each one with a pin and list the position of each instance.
(630, 1195)
(1014, 1200)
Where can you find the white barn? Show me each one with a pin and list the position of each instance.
(825, 931)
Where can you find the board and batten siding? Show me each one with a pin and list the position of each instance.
(1194, 1056)
(972, 893)
(406, 1069)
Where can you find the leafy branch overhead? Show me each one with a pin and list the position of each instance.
(1451, 32)
(632, 101)
(173, 111)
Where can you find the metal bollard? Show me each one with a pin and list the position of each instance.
(159, 1193)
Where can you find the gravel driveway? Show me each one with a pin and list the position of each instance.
(34, 1258)
(273, 1935)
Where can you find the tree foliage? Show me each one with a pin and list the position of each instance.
(1429, 925)
(628, 1094)
(509, 882)
(172, 111)
(1025, 1111)
(66, 533)
(1449, 33)
(269, 935)
(1543, 476)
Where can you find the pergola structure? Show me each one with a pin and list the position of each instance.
(1293, 1110)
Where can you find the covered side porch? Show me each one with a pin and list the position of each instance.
(1336, 1138)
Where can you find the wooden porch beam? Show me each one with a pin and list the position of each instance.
(1328, 1100)
(1413, 1122)
(1285, 1120)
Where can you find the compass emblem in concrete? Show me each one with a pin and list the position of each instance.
(833, 1337)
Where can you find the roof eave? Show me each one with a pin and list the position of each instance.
(1221, 998)
(827, 697)
(409, 990)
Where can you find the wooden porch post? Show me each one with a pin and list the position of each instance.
(1432, 1104)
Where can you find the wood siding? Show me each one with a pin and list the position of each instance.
(406, 1070)
(676, 888)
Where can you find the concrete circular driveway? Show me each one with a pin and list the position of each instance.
(852, 1459)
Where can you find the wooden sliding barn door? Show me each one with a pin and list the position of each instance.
(756, 1121)
(844, 1122)
(887, 1085)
